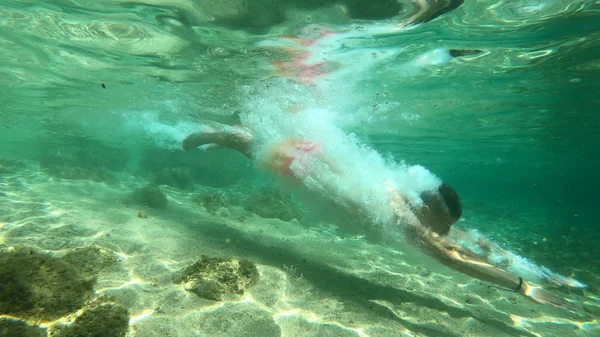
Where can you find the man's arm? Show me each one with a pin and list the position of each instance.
(460, 258)
(471, 264)
(467, 262)
(507, 260)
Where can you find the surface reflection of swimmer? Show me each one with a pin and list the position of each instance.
(427, 10)
(425, 224)
(408, 12)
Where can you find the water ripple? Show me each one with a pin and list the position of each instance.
(80, 44)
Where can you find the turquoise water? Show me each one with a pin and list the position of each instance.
(98, 95)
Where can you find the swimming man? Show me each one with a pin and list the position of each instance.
(425, 223)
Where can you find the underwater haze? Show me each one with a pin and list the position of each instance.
(109, 228)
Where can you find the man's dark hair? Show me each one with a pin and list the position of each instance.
(452, 200)
(444, 207)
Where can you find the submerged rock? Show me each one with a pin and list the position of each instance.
(209, 289)
(149, 195)
(80, 173)
(15, 328)
(271, 203)
(83, 152)
(10, 165)
(177, 177)
(213, 168)
(91, 260)
(38, 286)
(79, 158)
(214, 278)
(212, 201)
(105, 320)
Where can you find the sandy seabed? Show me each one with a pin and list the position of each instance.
(312, 281)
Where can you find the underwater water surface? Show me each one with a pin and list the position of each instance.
(498, 98)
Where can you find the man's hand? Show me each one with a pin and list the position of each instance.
(545, 297)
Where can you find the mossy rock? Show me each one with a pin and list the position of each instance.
(209, 289)
(81, 173)
(15, 328)
(105, 320)
(212, 201)
(213, 278)
(177, 177)
(78, 164)
(38, 286)
(151, 196)
(90, 260)
(271, 203)
(83, 152)
(10, 165)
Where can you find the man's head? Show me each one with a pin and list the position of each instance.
(441, 209)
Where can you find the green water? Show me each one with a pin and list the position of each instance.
(514, 129)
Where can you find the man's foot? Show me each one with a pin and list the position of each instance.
(198, 139)
(235, 140)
